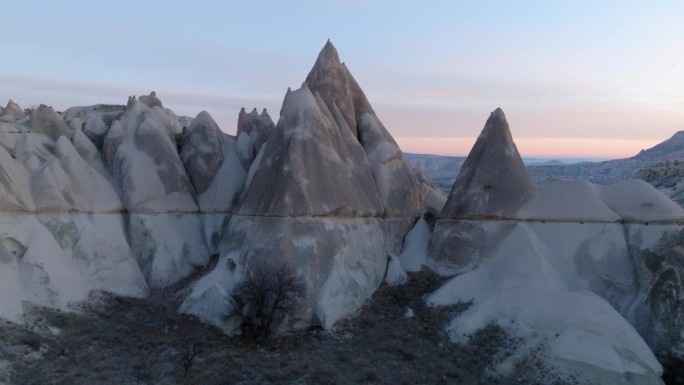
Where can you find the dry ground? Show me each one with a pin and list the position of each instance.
(115, 340)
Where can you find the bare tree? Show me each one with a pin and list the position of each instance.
(191, 350)
(266, 296)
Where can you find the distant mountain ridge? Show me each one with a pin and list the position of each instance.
(670, 149)
(443, 169)
(611, 171)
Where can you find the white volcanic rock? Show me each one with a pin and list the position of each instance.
(567, 260)
(402, 194)
(169, 246)
(66, 182)
(147, 167)
(637, 201)
(62, 259)
(214, 167)
(519, 289)
(10, 132)
(34, 268)
(395, 274)
(341, 255)
(201, 151)
(397, 184)
(12, 111)
(302, 165)
(94, 121)
(221, 197)
(493, 181)
(152, 100)
(44, 120)
(630, 200)
(253, 130)
(341, 261)
(572, 201)
(97, 246)
(111, 143)
(222, 194)
(414, 250)
(210, 299)
(87, 150)
(166, 234)
(657, 310)
(30, 148)
(15, 189)
(328, 193)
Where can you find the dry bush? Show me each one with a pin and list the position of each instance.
(265, 297)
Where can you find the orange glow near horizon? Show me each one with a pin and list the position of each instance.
(532, 147)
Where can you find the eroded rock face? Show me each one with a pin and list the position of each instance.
(297, 211)
(516, 250)
(147, 167)
(253, 130)
(334, 83)
(201, 151)
(341, 262)
(492, 184)
(658, 310)
(12, 111)
(303, 163)
(55, 259)
(44, 120)
(397, 184)
(329, 194)
(94, 121)
(524, 288)
(157, 193)
(493, 181)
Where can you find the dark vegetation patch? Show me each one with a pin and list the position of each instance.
(116, 340)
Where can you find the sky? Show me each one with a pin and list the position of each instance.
(584, 79)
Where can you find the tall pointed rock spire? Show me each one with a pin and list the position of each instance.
(493, 181)
(331, 79)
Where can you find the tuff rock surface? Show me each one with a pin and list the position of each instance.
(567, 261)
(329, 194)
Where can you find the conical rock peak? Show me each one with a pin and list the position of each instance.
(493, 181)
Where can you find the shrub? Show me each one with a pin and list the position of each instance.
(190, 351)
(265, 297)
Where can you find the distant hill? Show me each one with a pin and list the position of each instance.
(613, 170)
(667, 177)
(443, 169)
(670, 149)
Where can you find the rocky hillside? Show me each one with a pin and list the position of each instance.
(613, 170)
(443, 169)
(667, 177)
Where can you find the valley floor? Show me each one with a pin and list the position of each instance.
(115, 340)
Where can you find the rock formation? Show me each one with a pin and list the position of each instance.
(492, 184)
(253, 130)
(166, 232)
(44, 120)
(329, 194)
(493, 181)
(566, 261)
(12, 111)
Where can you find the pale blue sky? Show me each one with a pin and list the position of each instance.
(599, 78)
